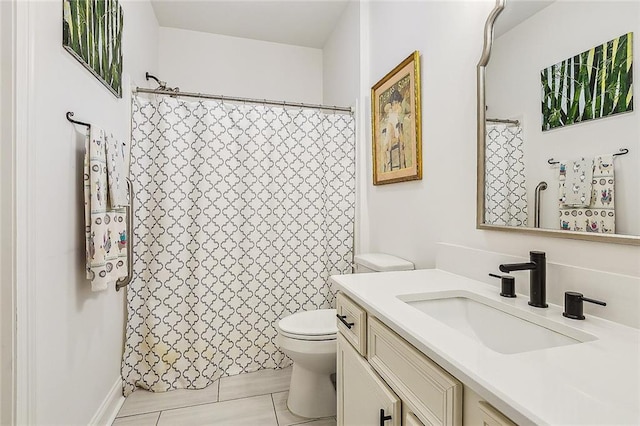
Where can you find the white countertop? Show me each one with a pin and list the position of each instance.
(595, 382)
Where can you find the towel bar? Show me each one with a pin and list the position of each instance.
(70, 114)
(123, 282)
(621, 151)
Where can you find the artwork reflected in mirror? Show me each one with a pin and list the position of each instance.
(593, 84)
(562, 139)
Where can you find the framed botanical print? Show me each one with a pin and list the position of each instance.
(396, 124)
(92, 33)
(593, 84)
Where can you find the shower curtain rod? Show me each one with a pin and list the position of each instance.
(244, 100)
(500, 120)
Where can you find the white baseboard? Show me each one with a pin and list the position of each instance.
(110, 406)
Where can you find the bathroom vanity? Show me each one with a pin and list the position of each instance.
(430, 347)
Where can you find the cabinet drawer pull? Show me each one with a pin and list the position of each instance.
(383, 418)
(343, 319)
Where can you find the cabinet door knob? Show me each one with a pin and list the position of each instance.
(383, 418)
(343, 319)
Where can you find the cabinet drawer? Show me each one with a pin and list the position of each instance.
(492, 417)
(435, 395)
(356, 317)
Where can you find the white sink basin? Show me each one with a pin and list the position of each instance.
(500, 327)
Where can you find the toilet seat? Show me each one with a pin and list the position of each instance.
(319, 324)
(309, 338)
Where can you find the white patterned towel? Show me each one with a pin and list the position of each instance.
(105, 227)
(577, 182)
(116, 172)
(600, 215)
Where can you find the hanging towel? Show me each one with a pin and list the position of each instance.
(599, 216)
(105, 227)
(116, 172)
(577, 182)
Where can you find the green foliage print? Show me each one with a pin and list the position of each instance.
(593, 84)
(92, 33)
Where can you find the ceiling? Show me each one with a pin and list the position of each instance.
(303, 22)
(517, 11)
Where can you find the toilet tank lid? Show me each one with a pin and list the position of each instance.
(382, 262)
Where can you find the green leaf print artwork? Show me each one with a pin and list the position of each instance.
(92, 33)
(593, 84)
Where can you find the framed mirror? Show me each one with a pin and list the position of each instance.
(558, 136)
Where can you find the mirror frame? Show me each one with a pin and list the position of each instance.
(481, 110)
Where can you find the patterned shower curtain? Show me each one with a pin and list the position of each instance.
(242, 213)
(505, 186)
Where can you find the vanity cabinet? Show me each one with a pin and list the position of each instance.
(363, 398)
(379, 370)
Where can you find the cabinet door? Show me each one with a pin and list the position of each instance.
(361, 393)
(434, 395)
(492, 417)
(411, 420)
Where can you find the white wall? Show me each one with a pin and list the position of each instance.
(513, 91)
(232, 66)
(341, 73)
(341, 60)
(6, 237)
(4, 59)
(78, 334)
(408, 218)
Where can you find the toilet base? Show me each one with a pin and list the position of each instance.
(311, 394)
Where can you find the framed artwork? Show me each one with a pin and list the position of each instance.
(395, 122)
(92, 33)
(593, 84)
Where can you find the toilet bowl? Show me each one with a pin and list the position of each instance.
(309, 339)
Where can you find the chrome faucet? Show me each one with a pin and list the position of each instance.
(537, 277)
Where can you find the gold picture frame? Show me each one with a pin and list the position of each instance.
(396, 124)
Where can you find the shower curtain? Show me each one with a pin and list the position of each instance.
(243, 212)
(505, 186)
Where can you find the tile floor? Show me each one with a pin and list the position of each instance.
(252, 399)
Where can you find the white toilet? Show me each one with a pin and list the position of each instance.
(309, 339)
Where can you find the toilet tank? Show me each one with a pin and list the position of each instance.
(380, 262)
